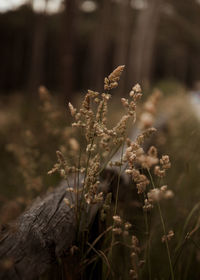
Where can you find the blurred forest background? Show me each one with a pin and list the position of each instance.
(74, 47)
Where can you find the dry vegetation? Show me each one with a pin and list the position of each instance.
(150, 223)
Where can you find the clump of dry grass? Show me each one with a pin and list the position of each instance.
(101, 143)
(92, 119)
(150, 237)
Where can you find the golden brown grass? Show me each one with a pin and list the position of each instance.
(143, 238)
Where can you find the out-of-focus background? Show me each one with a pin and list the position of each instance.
(70, 45)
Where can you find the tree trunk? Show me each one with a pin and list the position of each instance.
(143, 42)
(67, 47)
(36, 76)
(122, 33)
(100, 45)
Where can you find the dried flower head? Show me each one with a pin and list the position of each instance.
(168, 237)
(117, 231)
(127, 225)
(147, 118)
(117, 219)
(72, 109)
(147, 205)
(112, 80)
(43, 93)
(165, 162)
(159, 172)
(158, 194)
(74, 145)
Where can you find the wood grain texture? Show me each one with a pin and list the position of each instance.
(39, 237)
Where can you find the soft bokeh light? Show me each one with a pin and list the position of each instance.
(6, 5)
(139, 4)
(38, 5)
(88, 6)
(51, 6)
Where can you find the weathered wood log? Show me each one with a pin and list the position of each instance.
(39, 237)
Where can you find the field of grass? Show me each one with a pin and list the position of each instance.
(152, 221)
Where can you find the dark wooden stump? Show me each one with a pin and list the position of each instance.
(38, 238)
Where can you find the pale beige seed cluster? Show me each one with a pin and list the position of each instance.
(155, 195)
(158, 194)
(91, 182)
(147, 117)
(63, 167)
(120, 227)
(113, 79)
(160, 170)
(135, 155)
(136, 263)
(94, 120)
(149, 159)
(168, 236)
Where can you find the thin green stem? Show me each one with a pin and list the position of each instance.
(178, 255)
(187, 221)
(118, 181)
(109, 158)
(147, 246)
(116, 202)
(81, 204)
(164, 230)
(88, 159)
(147, 253)
(166, 241)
